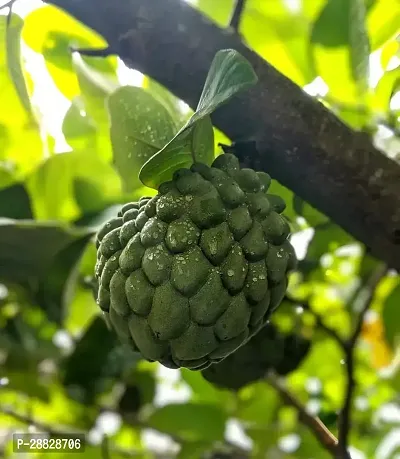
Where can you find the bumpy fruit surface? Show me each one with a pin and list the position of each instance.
(188, 276)
(268, 349)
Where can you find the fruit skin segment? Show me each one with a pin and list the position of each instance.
(190, 275)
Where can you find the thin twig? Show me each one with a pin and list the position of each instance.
(322, 325)
(319, 321)
(345, 415)
(321, 432)
(105, 448)
(8, 4)
(45, 428)
(93, 52)
(33, 422)
(237, 15)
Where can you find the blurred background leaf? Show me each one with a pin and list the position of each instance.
(21, 145)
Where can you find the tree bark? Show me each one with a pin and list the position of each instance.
(299, 142)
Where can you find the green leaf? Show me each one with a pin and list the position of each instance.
(169, 100)
(339, 40)
(385, 90)
(144, 380)
(257, 403)
(383, 22)
(28, 248)
(88, 195)
(192, 450)
(14, 60)
(15, 202)
(323, 362)
(190, 421)
(287, 195)
(21, 144)
(91, 353)
(281, 37)
(368, 265)
(194, 144)
(311, 8)
(359, 46)
(220, 11)
(205, 392)
(50, 31)
(81, 310)
(391, 317)
(28, 384)
(79, 129)
(95, 88)
(229, 74)
(7, 175)
(96, 221)
(390, 50)
(56, 290)
(92, 81)
(309, 213)
(276, 33)
(355, 116)
(140, 126)
(25, 343)
(53, 185)
(202, 390)
(310, 446)
(202, 142)
(326, 239)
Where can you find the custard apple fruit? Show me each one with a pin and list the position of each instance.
(189, 275)
(268, 349)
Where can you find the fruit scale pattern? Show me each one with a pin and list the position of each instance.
(190, 275)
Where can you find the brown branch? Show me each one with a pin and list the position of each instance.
(299, 142)
(7, 5)
(350, 346)
(237, 15)
(46, 428)
(24, 419)
(327, 440)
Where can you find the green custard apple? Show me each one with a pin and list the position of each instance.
(269, 349)
(191, 274)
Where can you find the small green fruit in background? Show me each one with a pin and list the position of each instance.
(269, 349)
(190, 275)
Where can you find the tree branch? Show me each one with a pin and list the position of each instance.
(46, 428)
(8, 4)
(327, 440)
(350, 346)
(105, 448)
(319, 321)
(237, 15)
(299, 142)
